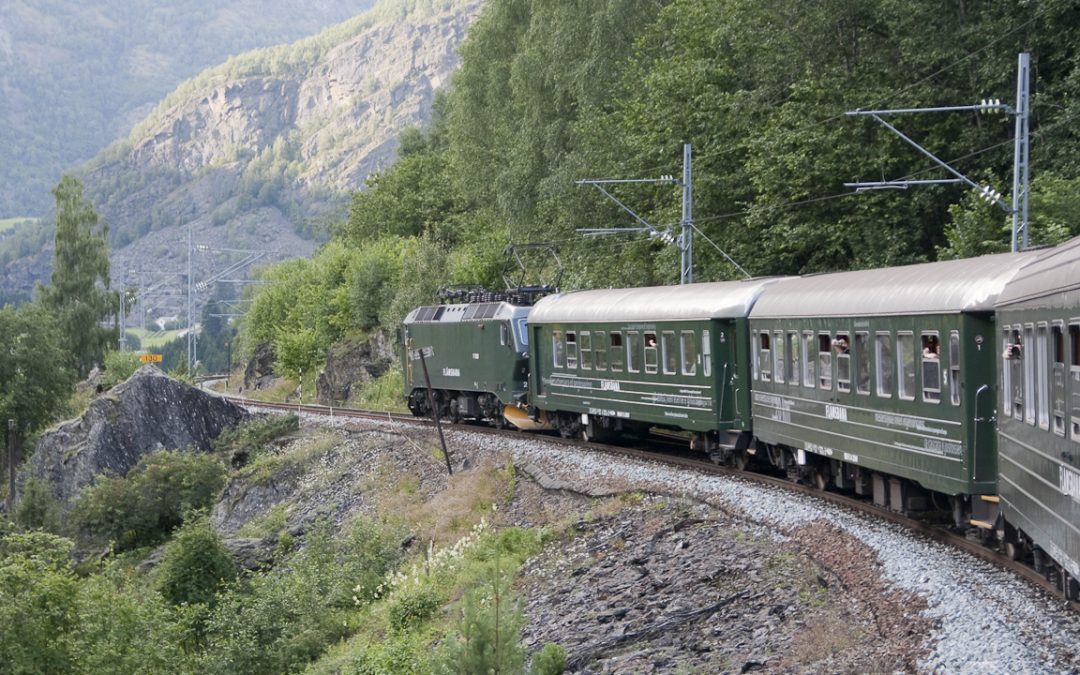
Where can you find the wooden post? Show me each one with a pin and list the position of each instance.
(435, 413)
(11, 466)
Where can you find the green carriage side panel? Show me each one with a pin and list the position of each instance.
(1038, 347)
(480, 347)
(916, 344)
(695, 377)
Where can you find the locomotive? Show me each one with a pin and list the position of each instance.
(946, 388)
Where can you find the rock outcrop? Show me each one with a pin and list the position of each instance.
(147, 413)
(349, 363)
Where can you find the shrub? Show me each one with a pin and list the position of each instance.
(143, 507)
(550, 660)
(488, 637)
(38, 508)
(413, 608)
(119, 366)
(196, 565)
(250, 438)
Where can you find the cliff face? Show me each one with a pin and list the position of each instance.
(261, 153)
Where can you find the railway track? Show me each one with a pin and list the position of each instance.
(668, 451)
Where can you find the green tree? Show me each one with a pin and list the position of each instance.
(79, 294)
(196, 565)
(34, 378)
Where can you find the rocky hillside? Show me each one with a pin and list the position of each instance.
(260, 153)
(75, 76)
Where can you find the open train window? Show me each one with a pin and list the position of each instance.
(862, 362)
(825, 360)
(600, 350)
(1014, 352)
(765, 356)
(616, 351)
(795, 363)
(1042, 377)
(1074, 378)
(1029, 375)
(633, 351)
(706, 353)
(585, 345)
(931, 367)
(905, 365)
(669, 352)
(954, 367)
(571, 349)
(883, 364)
(842, 347)
(558, 349)
(688, 352)
(1058, 377)
(809, 347)
(779, 365)
(650, 353)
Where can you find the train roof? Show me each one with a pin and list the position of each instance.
(1056, 270)
(715, 300)
(948, 287)
(473, 311)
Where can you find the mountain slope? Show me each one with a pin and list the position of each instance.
(74, 76)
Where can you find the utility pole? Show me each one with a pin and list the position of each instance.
(11, 443)
(1021, 152)
(685, 240)
(1019, 208)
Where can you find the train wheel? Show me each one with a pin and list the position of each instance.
(820, 477)
(1013, 550)
(740, 459)
(455, 411)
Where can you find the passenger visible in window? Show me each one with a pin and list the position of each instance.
(931, 347)
(840, 344)
(1012, 351)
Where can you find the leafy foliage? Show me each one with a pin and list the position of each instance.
(143, 507)
(38, 508)
(196, 565)
(79, 294)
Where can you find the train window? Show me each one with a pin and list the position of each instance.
(765, 356)
(808, 348)
(522, 326)
(669, 349)
(1029, 375)
(688, 352)
(883, 364)
(905, 365)
(650, 353)
(779, 365)
(1058, 377)
(954, 367)
(600, 350)
(1015, 353)
(571, 349)
(825, 360)
(1074, 380)
(504, 334)
(706, 353)
(633, 351)
(616, 351)
(842, 347)
(1042, 379)
(794, 362)
(862, 362)
(931, 367)
(558, 349)
(585, 345)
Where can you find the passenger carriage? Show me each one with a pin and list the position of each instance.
(606, 362)
(1038, 349)
(882, 381)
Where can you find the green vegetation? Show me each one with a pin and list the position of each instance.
(154, 498)
(154, 339)
(9, 223)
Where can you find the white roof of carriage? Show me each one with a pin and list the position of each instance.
(1056, 271)
(715, 300)
(948, 287)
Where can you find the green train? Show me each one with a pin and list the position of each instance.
(948, 388)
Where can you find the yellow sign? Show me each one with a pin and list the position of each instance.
(150, 358)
